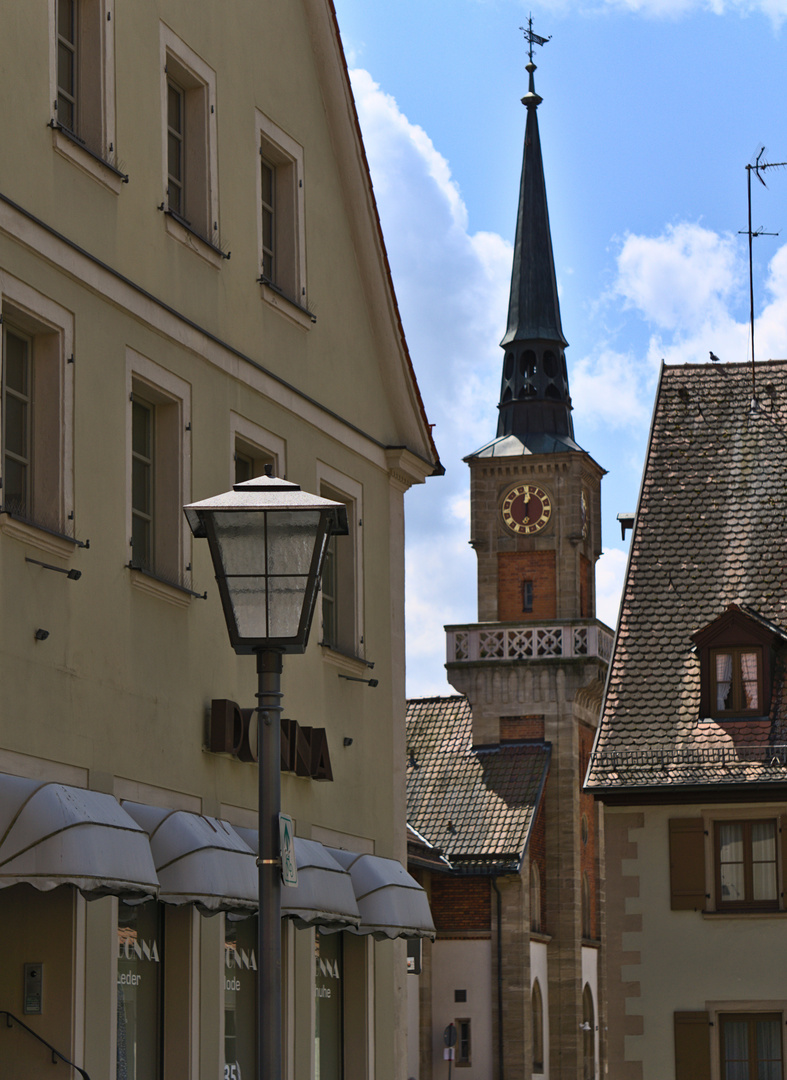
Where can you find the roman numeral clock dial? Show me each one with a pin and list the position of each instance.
(526, 509)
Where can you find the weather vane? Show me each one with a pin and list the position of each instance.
(531, 38)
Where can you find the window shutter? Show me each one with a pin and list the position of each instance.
(687, 864)
(692, 1046)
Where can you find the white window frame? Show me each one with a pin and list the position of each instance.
(253, 438)
(288, 293)
(96, 156)
(181, 65)
(342, 487)
(160, 386)
(42, 319)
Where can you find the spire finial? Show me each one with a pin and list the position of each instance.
(533, 39)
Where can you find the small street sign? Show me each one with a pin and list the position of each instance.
(289, 869)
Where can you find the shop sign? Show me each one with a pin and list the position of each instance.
(289, 868)
(304, 750)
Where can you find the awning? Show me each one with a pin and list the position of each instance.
(391, 902)
(199, 860)
(52, 834)
(324, 895)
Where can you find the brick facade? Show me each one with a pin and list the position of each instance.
(514, 568)
(461, 904)
(518, 728)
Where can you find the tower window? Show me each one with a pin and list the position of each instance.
(527, 595)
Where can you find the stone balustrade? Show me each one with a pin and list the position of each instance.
(479, 642)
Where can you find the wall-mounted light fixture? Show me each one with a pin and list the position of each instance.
(354, 678)
(72, 575)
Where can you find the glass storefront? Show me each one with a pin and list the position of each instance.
(240, 999)
(328, 1007)
(140, 956)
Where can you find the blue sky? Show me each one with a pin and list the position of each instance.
(651, 111)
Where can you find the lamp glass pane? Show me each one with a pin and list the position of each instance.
(240, 536)
(291, 540)
(286, 596)
(249, 599)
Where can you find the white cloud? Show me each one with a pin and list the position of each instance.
(775, 10)
(612, 390)
(680, 279)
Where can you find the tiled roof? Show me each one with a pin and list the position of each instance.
(711, 531)
(475, 804)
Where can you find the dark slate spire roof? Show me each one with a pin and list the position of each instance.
(535, 405)
(533, 307)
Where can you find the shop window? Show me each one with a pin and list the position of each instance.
(157, 463)
(36, 417)
(139, 991)
(341, 578)
(746, 864)
(190, 158)
(751, 1046)
(83, 91)
(464, 1048)
(537, 1013)
(281, 213)
(240, 998)
(328, 1006)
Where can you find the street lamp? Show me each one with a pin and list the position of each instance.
(268, 540)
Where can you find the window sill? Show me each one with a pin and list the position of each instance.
(37, 536)
(148, 582)
(194, 241)
(744, 913)
(91, 163)
(292, 310)
(352, 665)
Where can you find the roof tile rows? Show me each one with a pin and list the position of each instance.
(475, 804)
(710, 531)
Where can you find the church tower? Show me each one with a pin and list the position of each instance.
(533, 666)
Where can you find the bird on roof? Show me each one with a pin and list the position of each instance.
(714, 358)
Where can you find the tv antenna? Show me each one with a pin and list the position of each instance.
(531, 38)
(758, 167)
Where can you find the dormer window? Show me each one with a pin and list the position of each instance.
(736, 653)
(736, 675)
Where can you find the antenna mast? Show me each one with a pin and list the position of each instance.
(756, 168)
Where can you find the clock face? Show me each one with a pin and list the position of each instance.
(526, 509)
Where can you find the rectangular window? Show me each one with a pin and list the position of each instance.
(188, 92)
(67, 63)
(82, 81)
(736, 681)
(281, 210)
(158, 425)
(751, 1046)
(527, 595)
(175, 148)
(36, 412)
(463, 1045)
(342, 577)
(746, 864)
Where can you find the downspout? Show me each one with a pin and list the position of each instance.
(500, 1075)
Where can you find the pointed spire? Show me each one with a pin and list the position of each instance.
(535, 405)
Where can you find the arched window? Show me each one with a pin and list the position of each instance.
(588, 1035)
(587, 924)
(535, 898)
(537, 1007)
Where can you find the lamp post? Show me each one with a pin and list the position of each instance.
(268, 540)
